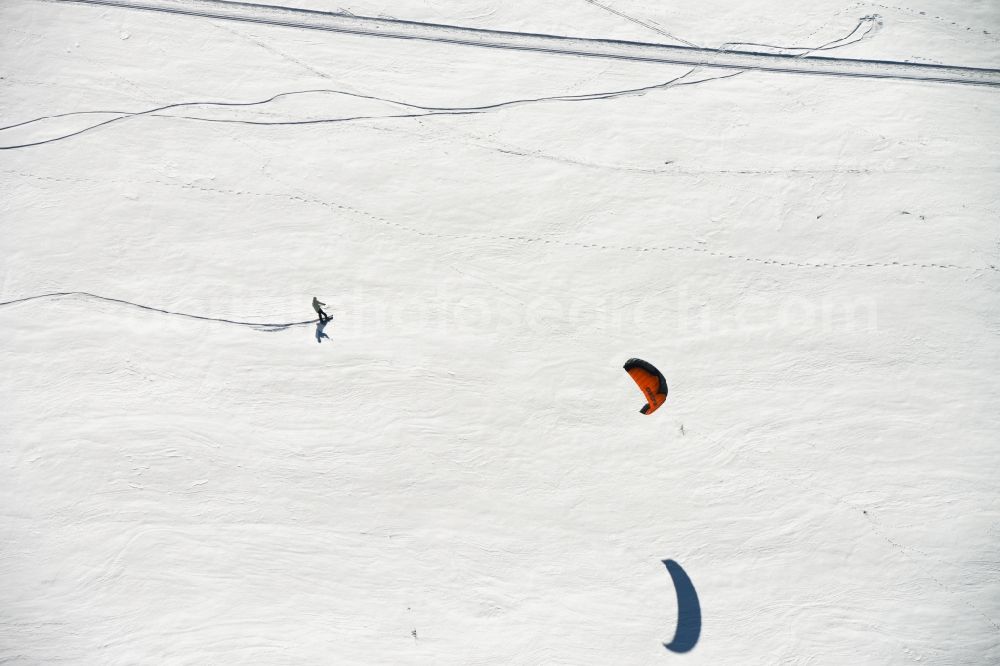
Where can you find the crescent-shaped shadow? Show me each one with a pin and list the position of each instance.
(688, 610)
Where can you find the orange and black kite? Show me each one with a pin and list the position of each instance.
(650, 382)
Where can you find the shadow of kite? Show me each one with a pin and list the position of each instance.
(688, 610)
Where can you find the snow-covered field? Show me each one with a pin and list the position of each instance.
(458, 473)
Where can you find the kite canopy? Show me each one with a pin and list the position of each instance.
(650, 382)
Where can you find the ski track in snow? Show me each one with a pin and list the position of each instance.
(872, 25)
(428, 110)
(872, 22)
(254, 535)
(308, 200)
(260, 326)
(909, 552)
(644, 24)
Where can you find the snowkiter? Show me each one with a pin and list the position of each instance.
(317, 306)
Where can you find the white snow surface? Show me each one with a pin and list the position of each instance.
(458, 473)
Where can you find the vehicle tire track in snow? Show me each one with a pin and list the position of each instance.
(260, 326)
(720, 254)
(557, 44)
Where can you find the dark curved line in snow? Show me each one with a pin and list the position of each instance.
(450, 109)
(245, 104)
(485, 107)
(430, 111)
(158, 109)
(252, 324)
(873, 22)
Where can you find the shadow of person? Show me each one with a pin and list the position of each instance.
(320, 325)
